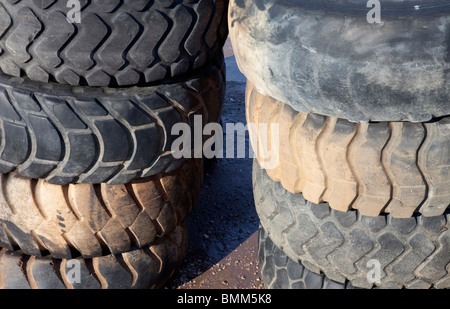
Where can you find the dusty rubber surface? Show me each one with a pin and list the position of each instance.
(146, 268)
(410, 252)
(397, 167)
(280, 272)
(40, 219)
(324, 57)
(66, 134)
(119, 43)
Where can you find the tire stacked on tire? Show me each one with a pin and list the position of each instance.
(360, 193)
(91, 194)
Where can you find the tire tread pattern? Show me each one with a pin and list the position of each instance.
(145, 268)
(280, 272)
(397, 168)
(412, 252)
(121, 43)
(67, 134)
(92, 220)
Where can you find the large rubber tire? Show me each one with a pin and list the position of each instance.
(411, 253)
(66, 134)
(387, 167)
(117, 43)
(278, 271)
(41, 219)
(147, 268)
(324, 56)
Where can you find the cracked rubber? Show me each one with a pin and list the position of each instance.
(325, 57)
(411, 252)
(88, 220)
(116, 43)
(66, 134)
(146, 268)
(386, 167)
(278, 271)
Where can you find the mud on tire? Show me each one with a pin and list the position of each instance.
(385, 167)
(92, 220)
(324, 56)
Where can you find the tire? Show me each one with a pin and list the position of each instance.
(119, 43)
(325, 57)
(346, 246)
(66, 134)
(278, 271)
(87, 220)
(147, 268)
(387, 167)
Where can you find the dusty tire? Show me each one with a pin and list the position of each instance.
(66, 134)
(278, 271)
(411, 252)
(119, 43)
(324, 57)
(41, 219)
(387, 167)
(146, 268)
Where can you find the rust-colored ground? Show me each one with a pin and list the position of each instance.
(238, 270)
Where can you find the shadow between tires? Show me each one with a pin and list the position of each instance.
(225, 215)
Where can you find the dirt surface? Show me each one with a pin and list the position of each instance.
(223, 226)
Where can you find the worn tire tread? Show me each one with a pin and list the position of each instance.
(92, 220)
(388, 167)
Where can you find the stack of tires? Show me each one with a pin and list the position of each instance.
(91, 194)
(360, 193)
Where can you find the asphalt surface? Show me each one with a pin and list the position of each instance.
(223, 226)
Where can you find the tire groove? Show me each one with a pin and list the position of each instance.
(321, 141)
(430, 133)
(63, 134)
(395, 130)
(12, 242)
(132, 43)
(130, 131)
(29, 129)
(63, 275)
(134, 273)
(100, 43)
(102, 280)
(360, 133)
(27, 267)
(293, 137)
(99, 143)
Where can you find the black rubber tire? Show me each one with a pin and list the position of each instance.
(88, 220)
(147, 268)
(117, 43)
(324, 57)
(391, 167)
(412, 252)
(66, 134)
(278, 271)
